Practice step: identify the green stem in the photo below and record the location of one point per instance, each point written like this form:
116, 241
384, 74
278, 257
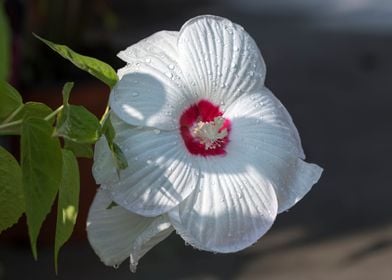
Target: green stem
18, 122
14, 113
105, 115
7, 125
54, 113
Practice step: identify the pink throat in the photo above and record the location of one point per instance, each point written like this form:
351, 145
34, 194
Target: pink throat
204, 131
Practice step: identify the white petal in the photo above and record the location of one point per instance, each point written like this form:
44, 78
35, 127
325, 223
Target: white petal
263, 130
104, 168
232, 209
150, 91
265, 121
219, 59
115, 233
298, 180
160, 172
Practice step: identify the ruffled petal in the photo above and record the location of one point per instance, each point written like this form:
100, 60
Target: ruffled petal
231, 210
160, 172
269, 123
116, 234
220, 61
297, 182
151, 90
263, 130
104, 168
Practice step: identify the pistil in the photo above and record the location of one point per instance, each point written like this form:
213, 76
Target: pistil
210, 134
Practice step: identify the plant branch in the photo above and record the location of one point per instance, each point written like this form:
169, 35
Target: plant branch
13, 114
54, 113
10, 124
105, 115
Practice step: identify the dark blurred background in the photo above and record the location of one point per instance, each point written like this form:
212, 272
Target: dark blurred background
329, 62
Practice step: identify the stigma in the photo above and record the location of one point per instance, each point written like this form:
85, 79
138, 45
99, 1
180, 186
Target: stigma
210, 134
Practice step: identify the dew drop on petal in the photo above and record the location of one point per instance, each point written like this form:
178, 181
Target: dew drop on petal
148, 60
116, 266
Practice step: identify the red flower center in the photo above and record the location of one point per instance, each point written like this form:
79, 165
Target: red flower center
204, 131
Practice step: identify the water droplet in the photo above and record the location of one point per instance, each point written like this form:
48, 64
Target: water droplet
149, 161
148, 60
169, 75
135, 93
251, 73
116, 266
171, 66
222, 103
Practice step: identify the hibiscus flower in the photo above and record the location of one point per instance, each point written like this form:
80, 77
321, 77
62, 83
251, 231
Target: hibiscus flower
212, 153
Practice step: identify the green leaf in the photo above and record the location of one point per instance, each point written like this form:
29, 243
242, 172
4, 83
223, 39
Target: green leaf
68, 202
10, 100
76, 123
4, 45
41, 161
117, 153
79, 149
119, 157
95, 67
66, 91
11, 194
